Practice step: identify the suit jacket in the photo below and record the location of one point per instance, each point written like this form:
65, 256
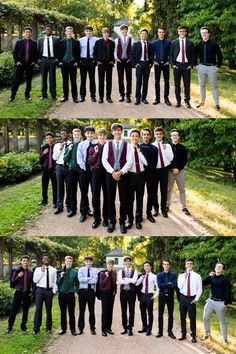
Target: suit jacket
99, 50
55, 47
175, 48
75, 50
136, 53
19, 51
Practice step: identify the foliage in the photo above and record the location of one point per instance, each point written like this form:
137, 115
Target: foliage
6, 294
6, 68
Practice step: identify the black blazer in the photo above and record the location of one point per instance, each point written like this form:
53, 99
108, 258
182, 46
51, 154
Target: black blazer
99, 52
75, 50
136, 53
19, 51
55, 47
175, 48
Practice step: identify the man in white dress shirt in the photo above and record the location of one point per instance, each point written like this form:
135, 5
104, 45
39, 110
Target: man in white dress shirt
136, 181
165, 156
148, 295
127, 278
190, 288
45, 278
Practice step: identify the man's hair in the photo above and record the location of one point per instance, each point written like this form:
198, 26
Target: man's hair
28, 28
102, 131
166, 260
189, 260
105, 30
134, 131
122, 27
88, 258
161, 28
221, 264
174, 130
182, 27
147, 262
50, 26
158, 129
70, 27
110, 261
147, 130
143, 30
90, 28
50, 134
89, 128
46, 255
69, 257
76, 130
127, 258
65, 130
116, 126
205, 28
25, 256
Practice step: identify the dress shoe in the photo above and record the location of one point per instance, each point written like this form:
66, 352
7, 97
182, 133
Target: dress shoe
80, 331
164, 213
167, 102
159, 335
48, 330
95, 224
151, 218
64, 99
217, 107
93, 332
130, 332
139, 226
142, 330
111, 228
24, 329
82, 218
75, 100
28, 98
58, 211
105, 223
182, 338
171, 335
156, 102
43, 202
167, 209
178, 104
73, 333
8, 330
145, 101
123, 229
82, 99
54, 98
205, 337
200, 104
109, 100
11, 99
110, 331
121, 99
129, 225
194, 340
156, 212
188, 105
104, 334
71, 213
185, 211
124, 331
54, 206
148, 333
100, 100
35, 332
62, 331
225, 342
137, 102
43, 98
128, 99
90, 213
93, 99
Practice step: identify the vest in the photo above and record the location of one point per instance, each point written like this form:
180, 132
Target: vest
126, 48
111, 157
132, 286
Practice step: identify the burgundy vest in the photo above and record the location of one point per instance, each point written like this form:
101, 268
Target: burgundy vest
119, 48
111, 157
132, 286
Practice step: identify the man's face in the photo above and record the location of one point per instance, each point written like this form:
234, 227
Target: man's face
102, 138
88, 33
205, 34
105, 35
159, 135
76, 136
134, 137
143, 36
48, 31
28, 34
127, 263
175, 137
117, 133
89, 135
46, 260
68, 263
189, 266
69, 33
88, 263
161, 34
124, 32
25, 263
166, 266
146, 136
64, 135
182, 33
49, 139
147, 268
219, 269
110, 267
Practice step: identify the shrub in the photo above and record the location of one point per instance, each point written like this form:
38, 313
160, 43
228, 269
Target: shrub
6, 295
6, 68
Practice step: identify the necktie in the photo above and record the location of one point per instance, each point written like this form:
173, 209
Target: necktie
127, 287
25, 288
117, 152
47, 282
88, 49
188, 286
50, 157
161, 51
137, 165
145, 51
107, 45
89, 285
161, 156
183, 52
111, 281
146, 284
87, 152
27, 51
49, 54
204, 54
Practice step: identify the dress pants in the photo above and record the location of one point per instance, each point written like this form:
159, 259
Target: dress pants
185, 307
47, 175
62, 179
19, 71
85, 178
208, 72
73, 179
18, 299
149, 181
219, 308
105, 70
185, 73
48, 67
86, 296
111, 189
107, 299
124, 67
69, 70
43, 296
127, 298
146, 306
67, 301
98, 184
180, 181
160, 177
161, 67
142, 77
136, 183
162, 301
87, 66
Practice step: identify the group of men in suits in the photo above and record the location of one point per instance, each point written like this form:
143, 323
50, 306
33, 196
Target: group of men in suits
106, 165
147, 286
88, 52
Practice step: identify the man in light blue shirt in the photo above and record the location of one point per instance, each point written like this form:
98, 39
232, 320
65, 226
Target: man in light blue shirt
87, 277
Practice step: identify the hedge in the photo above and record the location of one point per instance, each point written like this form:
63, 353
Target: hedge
6, 68
6, 295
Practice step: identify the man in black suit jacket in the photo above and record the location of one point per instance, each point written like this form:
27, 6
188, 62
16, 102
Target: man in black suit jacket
104, 56
142, 60
182, 61
69, 57
25, 55
48, 57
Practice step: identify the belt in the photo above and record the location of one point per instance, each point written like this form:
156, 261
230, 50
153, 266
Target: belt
135, 173
47, 57
207, 64
40, 287
187, 295
214, 299
86, 289
149, 294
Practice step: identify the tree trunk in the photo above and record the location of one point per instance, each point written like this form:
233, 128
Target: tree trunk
14, 135
39, 134
20, 28
9, 35
1, 265
232, 64
234, 171
6, 138
10, 257
34, 29
26, 148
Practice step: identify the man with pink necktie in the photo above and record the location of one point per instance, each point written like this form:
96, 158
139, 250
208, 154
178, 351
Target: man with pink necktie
182, 61
190, 288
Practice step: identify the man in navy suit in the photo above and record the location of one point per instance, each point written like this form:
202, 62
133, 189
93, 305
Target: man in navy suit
25, 55
161, 52
142, 60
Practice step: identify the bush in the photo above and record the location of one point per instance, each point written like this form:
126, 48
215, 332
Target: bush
15, 167
6, 68
6, 295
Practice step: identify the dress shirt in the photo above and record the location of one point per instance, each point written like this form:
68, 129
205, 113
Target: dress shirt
83, 46
70, 156
45, 47
212, 50
157, 50
220, 287
84, 280
167, 154
106, 164
180, 156
44, 158
142, 160
179, 57
95, 158
152, 283
82, 152
108, 283
167, 283
142, 56
72, 285
151, 155
125, 281
195, 284
58, 155
122, 39
40, 278
18, 282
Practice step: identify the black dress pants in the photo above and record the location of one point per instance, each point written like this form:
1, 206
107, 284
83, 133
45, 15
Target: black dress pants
185, 308
98, 184
107, 299
87, 66
43, 296
85, 178
127, 298
182, 72
149, 181
161, 67
124, 67
86, 296
67, 301
73, 180
18, 299
142, 77
62, 180
105, 71
136, 183
47, 175
162, 301
48, 67
146, 307
160, 177
69, 70
18, 74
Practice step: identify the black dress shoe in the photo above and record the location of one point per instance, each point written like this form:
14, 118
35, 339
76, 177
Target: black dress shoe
54, 98
90, 213
145, 101
124, 331
28, 98
148, 333
82, 218
48, 330
93, 99
11, 99
217, 107
64, 99
167, 209
35, 332
128, 99
62, 331
156, 212
129, 225
71, 213
142, 330
105, 223
82, 99
43, 202
104, 334
58, 211
123, 229
80, 331
139, 226
187, 105
167, 102
54, 206
182, 338
151, 218
75, 100
43, 98
194, 340
109, 100
111, 228
171, 335
24, 329
100, 100
95, 224
121, 99
130, 332
109, 331
93, 332
185, 211
8, 330
159, 335
156, 102
73, 333
137, 102
178, 104
164, 214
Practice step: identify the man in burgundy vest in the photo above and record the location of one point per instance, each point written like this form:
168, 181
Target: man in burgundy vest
117, 160
127, 278
123, 45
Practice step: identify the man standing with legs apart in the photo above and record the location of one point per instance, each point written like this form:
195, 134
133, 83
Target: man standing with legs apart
127, 278
219, 299
190, 287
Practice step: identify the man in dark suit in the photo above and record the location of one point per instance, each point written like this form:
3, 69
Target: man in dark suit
182, 61
142, 60
104, 56
48, 57
25, 55
69, 56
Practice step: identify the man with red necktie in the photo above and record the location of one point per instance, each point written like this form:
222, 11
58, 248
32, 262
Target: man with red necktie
190, 287
182, 61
